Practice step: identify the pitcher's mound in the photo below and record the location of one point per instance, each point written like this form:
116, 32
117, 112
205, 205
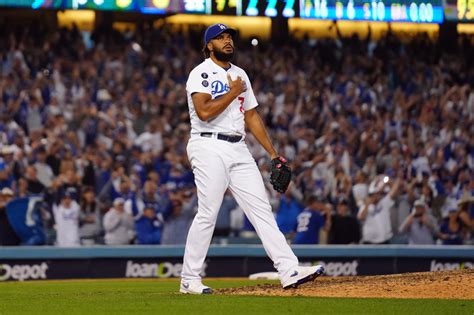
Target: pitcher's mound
442, 284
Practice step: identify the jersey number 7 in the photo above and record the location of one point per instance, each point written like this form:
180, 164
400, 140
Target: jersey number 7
241, 101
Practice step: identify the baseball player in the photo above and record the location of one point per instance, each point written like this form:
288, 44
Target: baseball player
221, 104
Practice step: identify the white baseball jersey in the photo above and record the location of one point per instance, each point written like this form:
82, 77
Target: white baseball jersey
377, 227
67, 224
211, 79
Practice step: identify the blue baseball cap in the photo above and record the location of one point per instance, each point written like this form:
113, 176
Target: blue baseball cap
215, 30
70, 193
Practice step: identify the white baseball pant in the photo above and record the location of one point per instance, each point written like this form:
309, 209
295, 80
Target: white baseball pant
218, 165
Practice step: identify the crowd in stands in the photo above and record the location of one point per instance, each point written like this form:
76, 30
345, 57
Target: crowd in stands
379, 134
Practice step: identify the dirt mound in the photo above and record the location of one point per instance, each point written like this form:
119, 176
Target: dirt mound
443, 284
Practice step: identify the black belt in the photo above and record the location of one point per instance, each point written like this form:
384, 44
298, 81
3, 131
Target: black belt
222, 136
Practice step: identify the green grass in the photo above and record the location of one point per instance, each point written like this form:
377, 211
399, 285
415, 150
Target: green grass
161, 297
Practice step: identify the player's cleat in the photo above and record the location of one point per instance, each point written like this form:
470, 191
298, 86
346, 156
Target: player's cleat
302, 275
194, 287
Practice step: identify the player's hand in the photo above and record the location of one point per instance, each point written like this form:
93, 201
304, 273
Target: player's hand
280, 174
237, 86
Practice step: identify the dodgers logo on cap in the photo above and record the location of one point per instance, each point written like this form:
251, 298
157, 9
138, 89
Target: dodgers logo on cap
215, 30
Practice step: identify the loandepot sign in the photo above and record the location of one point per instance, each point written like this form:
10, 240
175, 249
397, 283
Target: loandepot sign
155, 270
338, 268
442, 266
23, 272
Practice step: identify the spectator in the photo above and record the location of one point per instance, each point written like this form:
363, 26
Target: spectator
34, 186
148, 227
316, 216
360, 188
117, 185
177, 225
43, 170
8, 237
451, 229
375, 213
151, 140
90, 225
222, 227
345, 228
60, 184
22, 188
465, 214
247, 231
420, 226
66, 216
6, 178
451, 196
288, 211
151, 198
118, 225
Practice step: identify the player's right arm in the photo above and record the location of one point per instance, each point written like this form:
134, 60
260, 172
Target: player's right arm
208, 108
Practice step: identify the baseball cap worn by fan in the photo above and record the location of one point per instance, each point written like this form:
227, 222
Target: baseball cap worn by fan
342, 200
6, 192
70, 193
119, 201
420, 203
215, 30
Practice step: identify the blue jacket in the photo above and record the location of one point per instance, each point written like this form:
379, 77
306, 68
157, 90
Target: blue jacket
148, 230
287, 214
310, 223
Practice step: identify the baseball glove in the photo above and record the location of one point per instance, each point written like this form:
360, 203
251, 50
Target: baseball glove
280, 176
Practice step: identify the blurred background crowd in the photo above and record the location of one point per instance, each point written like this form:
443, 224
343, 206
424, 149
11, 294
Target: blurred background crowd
379, 134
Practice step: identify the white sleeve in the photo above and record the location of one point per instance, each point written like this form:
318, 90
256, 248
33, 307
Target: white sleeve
128, 207
250, 99
77, 210
111, 221
370, 209
198, 82
56, 211
387, 202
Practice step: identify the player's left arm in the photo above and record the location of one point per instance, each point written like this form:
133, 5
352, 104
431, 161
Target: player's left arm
254, 123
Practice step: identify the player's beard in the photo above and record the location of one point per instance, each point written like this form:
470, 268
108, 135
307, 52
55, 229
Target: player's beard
223, 56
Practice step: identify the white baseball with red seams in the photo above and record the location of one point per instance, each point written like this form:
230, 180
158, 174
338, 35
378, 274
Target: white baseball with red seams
218, 165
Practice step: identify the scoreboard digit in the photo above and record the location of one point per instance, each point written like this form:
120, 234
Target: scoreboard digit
225, 7
269, 8
289, 10
252, 9
271, 11
466, 10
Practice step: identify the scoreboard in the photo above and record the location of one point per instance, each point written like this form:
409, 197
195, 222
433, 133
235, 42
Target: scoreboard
32, 4
173, 6
465, 9
268, 8
143, 6
419, 11
374, 10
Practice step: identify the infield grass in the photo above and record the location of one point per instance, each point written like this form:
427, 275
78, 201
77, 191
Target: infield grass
161, 297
